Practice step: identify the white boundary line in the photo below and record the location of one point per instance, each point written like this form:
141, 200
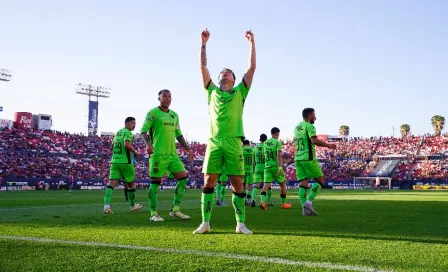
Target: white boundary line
200, 253
69, 206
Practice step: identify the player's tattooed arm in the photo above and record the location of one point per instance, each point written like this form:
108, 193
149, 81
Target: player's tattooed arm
149, 147
249, 75
203, 59
183, 143
321, 143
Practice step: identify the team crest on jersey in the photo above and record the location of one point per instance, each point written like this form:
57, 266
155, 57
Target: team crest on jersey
153, 117
172, 116
232, 92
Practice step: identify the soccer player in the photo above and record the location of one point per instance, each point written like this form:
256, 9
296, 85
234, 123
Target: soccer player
307, 165
273, 168
162, 125
226, 103
121, 165
220, 189
259, 167
248, 155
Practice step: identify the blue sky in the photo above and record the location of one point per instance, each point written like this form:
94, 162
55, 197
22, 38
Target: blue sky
372, 65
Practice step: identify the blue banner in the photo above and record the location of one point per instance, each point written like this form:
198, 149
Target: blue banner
93, 118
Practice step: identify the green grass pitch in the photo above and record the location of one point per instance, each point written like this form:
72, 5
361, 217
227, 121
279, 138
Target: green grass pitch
355, 231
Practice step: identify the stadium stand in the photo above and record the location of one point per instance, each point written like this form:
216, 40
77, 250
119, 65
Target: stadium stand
51, 154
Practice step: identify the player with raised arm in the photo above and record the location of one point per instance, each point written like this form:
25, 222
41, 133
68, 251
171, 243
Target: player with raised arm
225, 104
121, 165
160, 131
307, 165
248, 179
259, 167
273, 168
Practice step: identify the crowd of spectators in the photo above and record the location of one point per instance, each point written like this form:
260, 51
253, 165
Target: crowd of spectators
50, 154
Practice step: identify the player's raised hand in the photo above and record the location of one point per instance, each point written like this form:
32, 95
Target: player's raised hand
250, 36
205, 35
331, 146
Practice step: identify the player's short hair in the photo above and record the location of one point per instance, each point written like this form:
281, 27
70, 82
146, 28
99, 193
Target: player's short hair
129, 119
263, 137
164, 90
246, 142
275, 130
306, 112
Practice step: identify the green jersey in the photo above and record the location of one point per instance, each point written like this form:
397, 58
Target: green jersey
226, 110
163, 129
248, 154
259, 158
271, 147
119, 152
305, 149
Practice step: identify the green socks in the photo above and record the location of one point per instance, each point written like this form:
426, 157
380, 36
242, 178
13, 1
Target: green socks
179, 193
254, 192
269, 194
218, 191
152, 198
302, 194
108, 195
207, 201
263, 197
222, 193
283, 197
131, 196
314, 190
238, 205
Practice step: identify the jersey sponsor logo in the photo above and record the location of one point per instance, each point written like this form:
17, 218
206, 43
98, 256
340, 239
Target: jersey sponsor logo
168, 124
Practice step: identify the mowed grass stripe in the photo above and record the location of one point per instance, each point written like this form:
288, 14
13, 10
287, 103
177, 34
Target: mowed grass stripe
202, 253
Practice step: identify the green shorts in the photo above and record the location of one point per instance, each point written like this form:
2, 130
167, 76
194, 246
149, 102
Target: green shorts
224, 151
259, 177
223, 178
248, 178
161, 164
122, 171
308, 170
271, 174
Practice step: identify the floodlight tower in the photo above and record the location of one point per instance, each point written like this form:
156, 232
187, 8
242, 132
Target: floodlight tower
92, 91
5, 75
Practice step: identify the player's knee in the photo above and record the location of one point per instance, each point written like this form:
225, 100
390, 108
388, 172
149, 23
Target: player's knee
157, 181
207, 190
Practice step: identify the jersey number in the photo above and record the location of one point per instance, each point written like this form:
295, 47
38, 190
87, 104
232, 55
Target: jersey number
300, 145
260, 159
269, 155
118, 148
248, 160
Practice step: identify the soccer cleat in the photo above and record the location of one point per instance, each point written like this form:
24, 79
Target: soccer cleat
308, 206
253, 204
305, 212
218, 203
204, 227
270, 204
178, 214
108, 211
286, 206
263, 206
241, 228
156, 218
222, 204
136, 207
